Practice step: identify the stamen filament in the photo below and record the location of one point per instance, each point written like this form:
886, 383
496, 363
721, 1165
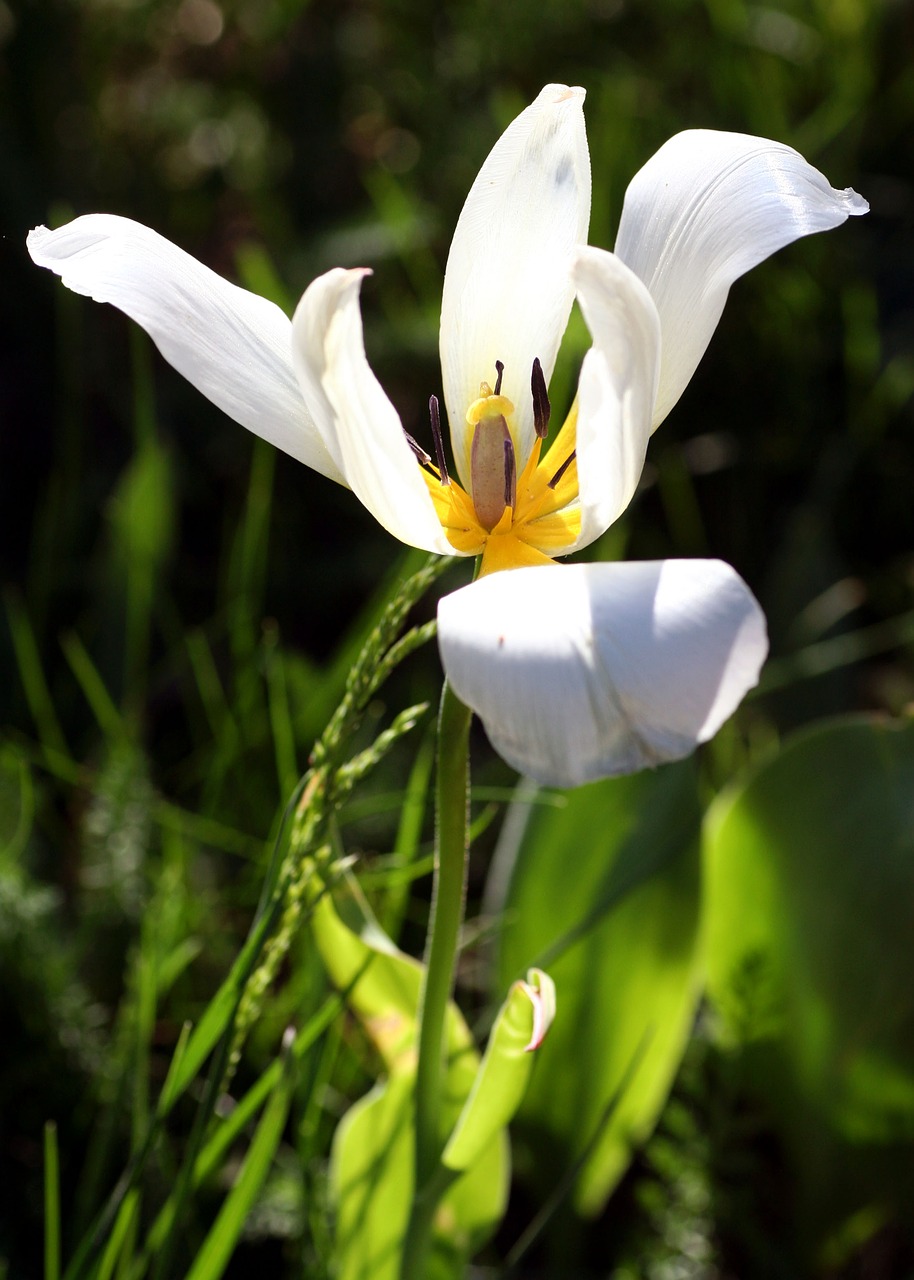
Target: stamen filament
562, 469
542, 409
423, 458
435, 416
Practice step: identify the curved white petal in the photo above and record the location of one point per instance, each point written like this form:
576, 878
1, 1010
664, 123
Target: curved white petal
617, 387
361, 428
507, 286
232, 345
704, 210
583, 671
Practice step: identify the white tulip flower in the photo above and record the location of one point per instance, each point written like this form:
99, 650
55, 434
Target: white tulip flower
577, 672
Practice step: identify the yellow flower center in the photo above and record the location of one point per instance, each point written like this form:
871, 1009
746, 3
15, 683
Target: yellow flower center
514, 514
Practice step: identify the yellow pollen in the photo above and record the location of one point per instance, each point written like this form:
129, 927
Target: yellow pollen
545, 519
489, 406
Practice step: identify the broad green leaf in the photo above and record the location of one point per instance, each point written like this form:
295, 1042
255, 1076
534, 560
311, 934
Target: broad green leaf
373, 1150
810, 889
606, 891
372, 1179
383, 986
372, 1184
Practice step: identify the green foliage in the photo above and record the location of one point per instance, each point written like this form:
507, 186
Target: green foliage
219, 1245
810, 875
813, 857
134, 867
372, 1167
605, 891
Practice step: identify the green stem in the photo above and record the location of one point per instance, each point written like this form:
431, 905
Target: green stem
422, 1215
451, 848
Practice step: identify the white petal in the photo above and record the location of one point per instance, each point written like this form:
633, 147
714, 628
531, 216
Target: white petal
617, 387
232, 345
583, 671
361, 428
703, 211
507, 286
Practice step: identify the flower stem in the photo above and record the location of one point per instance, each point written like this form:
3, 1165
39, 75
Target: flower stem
448, 895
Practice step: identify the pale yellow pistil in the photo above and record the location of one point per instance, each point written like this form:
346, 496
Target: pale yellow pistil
520, 511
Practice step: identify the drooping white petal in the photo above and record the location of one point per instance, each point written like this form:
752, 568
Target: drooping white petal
361, 428
703, 211
507, 286
232, 345
583, 671
617, 387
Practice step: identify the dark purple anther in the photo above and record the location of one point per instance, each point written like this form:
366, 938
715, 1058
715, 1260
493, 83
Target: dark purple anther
439, 442
510, 476
541, 406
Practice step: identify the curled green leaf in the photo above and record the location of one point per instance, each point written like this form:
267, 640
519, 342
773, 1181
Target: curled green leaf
501, 1081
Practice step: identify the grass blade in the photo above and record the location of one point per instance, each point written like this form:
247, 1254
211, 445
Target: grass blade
217, 1249
51, 1203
